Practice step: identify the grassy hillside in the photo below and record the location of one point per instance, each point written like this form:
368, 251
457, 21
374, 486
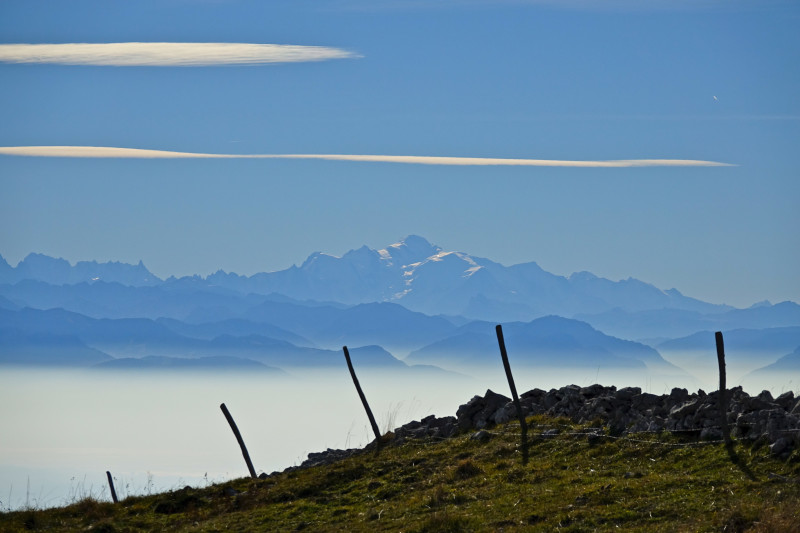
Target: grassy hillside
644, 482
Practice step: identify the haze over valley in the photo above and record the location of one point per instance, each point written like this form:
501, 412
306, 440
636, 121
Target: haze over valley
410, 306
112, 340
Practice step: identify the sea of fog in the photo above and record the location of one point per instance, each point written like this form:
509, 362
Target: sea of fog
157, 431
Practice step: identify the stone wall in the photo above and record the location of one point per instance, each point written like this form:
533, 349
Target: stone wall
621, 412
629, 410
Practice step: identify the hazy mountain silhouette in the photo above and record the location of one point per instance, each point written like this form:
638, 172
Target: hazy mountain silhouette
46, 349
129, 336
787, 363
390, 325
57, 336
235, 328
425, 278
548, 341
785, 368
177, 299
775, 340
409, 297
745, 349
359, 276
40, 267
673, 323
413, 272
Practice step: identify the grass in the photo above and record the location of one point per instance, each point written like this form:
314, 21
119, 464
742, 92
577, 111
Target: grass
651, 482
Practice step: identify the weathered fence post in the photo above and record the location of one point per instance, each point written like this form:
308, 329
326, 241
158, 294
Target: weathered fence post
723, 394
361, 395
239, 439
522, 423
111, 486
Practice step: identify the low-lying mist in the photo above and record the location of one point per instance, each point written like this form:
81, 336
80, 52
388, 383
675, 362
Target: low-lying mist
160, 430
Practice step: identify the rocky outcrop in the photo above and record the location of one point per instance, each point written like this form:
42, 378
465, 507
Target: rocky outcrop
428, 427
629, 410
774, 421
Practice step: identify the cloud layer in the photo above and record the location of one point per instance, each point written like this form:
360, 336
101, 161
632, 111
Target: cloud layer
135, 153
167, 54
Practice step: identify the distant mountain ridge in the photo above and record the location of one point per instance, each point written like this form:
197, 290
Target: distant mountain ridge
674, 323
546, 341
55, 271
745, 349
63, 338
423, 277
413, 272
57, 337
410, 303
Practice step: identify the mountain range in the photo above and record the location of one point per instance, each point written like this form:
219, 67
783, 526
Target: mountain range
57, 337
413, 272
411, 302
60, 271
546, 341
745, 349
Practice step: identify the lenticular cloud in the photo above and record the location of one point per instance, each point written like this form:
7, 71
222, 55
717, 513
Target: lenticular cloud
136, 153
167, 54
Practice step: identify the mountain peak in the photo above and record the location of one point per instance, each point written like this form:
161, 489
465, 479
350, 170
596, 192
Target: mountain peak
35, 257
364, 251
315, 258
413, 241
583, 275
411, 249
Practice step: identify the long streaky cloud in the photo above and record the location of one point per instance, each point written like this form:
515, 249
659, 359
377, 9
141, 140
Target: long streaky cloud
136, 153
167, 54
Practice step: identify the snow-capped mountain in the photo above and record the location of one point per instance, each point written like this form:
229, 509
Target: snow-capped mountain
389, 297
412, 272
424, 277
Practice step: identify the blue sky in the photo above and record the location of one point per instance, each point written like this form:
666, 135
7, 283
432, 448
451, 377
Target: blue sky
568, 80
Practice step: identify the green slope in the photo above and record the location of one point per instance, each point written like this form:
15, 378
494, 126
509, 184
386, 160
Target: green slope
644, 482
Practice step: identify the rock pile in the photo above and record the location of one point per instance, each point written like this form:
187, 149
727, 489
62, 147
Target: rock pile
629, 410
622, 411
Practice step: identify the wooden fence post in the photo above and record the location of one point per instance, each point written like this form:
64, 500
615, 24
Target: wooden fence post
361, 395
111, 486
522, 423
723, 394
239, 439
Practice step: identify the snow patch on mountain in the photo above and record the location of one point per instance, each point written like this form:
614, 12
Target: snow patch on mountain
413, 272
